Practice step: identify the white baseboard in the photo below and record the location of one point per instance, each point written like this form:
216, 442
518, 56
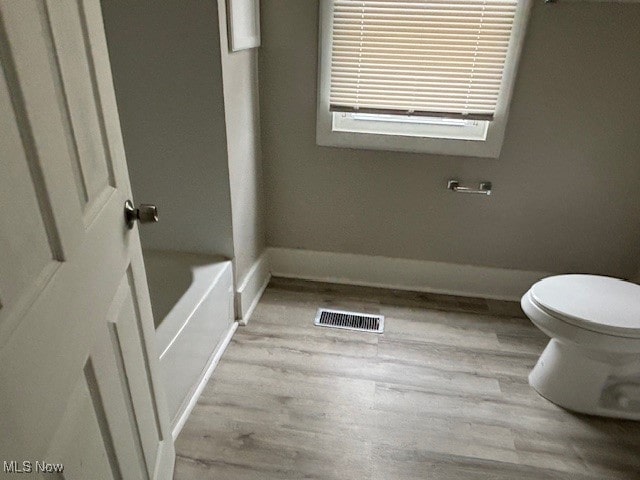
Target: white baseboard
251, 288
195, 394
402, 274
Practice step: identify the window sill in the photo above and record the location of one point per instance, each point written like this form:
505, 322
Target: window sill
489, 148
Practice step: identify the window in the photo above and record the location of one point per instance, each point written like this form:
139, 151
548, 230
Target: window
418, 75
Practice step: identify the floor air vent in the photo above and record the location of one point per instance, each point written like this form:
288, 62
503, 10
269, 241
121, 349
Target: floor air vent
349, 320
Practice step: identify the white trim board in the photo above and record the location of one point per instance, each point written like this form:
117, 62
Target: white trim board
251, 288
402, 274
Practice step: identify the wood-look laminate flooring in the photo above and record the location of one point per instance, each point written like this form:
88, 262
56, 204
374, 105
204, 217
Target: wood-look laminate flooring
442, 394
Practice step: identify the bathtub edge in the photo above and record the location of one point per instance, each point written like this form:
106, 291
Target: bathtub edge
192, 398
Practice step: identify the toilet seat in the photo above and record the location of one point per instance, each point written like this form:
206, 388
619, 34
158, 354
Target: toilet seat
597, 303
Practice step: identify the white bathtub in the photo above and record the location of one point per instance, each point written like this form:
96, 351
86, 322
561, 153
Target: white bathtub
192, 302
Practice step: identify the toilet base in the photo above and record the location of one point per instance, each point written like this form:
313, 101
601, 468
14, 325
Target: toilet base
587, 381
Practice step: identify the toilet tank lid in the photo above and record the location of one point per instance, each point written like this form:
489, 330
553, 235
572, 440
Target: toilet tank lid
604, 303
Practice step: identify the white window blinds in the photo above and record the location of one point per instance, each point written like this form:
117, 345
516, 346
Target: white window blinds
419, 57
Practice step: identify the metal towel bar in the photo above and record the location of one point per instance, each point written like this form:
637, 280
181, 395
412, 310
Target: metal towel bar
483, 189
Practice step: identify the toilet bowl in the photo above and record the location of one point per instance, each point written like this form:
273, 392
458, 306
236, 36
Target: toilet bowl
592, 362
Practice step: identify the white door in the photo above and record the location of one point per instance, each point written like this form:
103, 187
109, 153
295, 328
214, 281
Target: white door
79, 382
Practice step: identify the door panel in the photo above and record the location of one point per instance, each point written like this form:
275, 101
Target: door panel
78, 376
29, 260
125, 327
90, 162
82, 444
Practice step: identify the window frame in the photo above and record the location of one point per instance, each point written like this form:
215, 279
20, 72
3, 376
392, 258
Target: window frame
488, 148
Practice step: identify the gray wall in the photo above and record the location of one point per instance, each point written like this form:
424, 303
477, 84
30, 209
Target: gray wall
168, 80
566, 187
240, 79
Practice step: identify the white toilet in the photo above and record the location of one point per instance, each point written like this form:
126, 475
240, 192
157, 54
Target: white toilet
592, 363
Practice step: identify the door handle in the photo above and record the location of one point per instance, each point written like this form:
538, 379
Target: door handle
145, 213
